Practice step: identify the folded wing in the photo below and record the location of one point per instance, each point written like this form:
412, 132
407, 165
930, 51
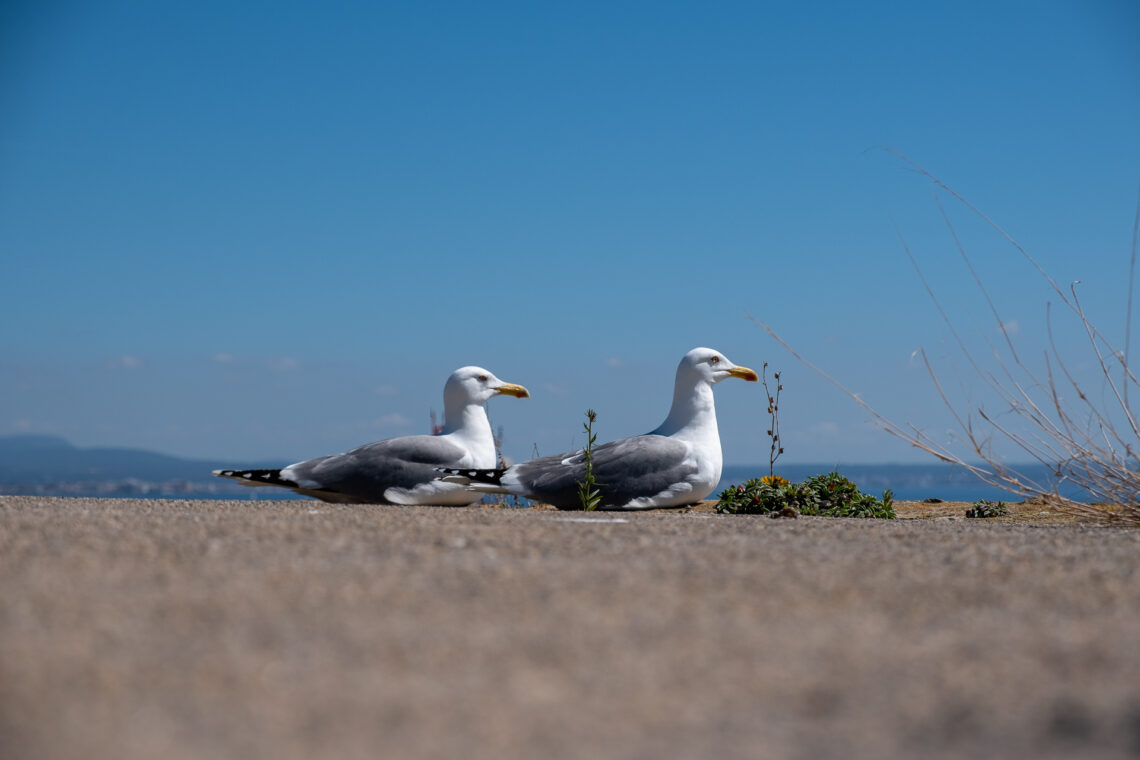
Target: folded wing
384, 472
624, 470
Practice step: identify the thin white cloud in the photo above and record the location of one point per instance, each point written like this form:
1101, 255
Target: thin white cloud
613, 361
284, 364
386, 390
223, 358
126, 361
824, 429
394, 420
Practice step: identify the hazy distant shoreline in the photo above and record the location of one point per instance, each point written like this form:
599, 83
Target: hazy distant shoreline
43, 465
905, 481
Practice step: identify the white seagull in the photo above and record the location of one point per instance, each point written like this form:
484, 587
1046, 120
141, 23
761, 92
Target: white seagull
403, 470
677, 464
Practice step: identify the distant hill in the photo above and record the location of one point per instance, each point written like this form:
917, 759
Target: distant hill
48, 464
45, 459
31, 442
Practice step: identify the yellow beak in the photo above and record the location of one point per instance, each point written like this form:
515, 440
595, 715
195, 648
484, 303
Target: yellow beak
745, 374
510, 389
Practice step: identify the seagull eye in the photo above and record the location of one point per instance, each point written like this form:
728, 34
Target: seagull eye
714, 360
482, 378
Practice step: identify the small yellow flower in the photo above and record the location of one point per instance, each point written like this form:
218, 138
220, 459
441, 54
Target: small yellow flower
773, 480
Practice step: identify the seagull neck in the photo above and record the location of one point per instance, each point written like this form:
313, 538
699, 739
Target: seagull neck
470, 426
693, 414
468, 420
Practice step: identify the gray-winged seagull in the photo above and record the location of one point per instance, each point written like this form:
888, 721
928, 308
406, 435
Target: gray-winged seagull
403, 470
679, 463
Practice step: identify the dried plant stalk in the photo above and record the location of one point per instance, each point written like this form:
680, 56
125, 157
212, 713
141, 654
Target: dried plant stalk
1092, 445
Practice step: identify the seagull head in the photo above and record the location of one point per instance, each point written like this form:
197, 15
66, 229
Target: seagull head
711, 366
475, 385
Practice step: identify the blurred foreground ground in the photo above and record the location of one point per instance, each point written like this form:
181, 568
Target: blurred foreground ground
192, 629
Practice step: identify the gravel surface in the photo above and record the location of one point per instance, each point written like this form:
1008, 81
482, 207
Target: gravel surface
244, 629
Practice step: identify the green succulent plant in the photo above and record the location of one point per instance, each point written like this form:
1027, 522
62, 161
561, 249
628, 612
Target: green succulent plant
830, 495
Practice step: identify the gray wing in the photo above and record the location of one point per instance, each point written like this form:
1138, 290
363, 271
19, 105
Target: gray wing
625, 469
364, 474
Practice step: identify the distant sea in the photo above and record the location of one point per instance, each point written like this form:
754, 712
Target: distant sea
51, 466
908, 482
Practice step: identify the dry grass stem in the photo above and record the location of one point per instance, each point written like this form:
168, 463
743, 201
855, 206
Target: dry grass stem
1085, 443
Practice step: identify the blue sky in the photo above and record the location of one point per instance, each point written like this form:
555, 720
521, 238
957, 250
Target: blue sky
267, 231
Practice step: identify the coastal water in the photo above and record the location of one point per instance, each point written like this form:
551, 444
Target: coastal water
908, 482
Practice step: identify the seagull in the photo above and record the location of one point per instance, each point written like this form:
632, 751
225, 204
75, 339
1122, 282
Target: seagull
677, 464
403, 470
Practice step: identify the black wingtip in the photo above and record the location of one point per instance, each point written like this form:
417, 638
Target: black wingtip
257, 477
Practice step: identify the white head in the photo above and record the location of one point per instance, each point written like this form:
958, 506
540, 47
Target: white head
710, 366
475, 385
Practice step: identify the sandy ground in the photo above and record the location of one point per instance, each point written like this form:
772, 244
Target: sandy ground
195, 629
